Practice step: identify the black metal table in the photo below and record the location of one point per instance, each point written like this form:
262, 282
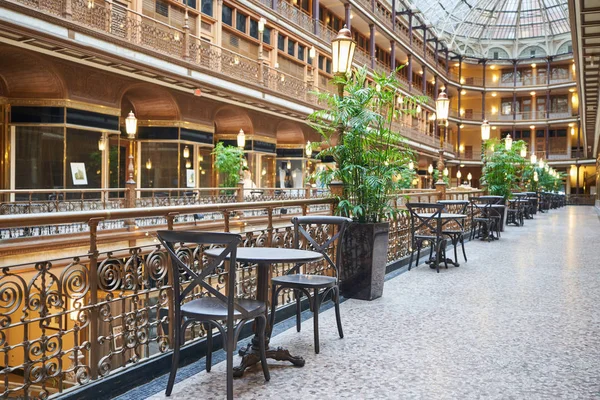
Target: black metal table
264, 257
446, 218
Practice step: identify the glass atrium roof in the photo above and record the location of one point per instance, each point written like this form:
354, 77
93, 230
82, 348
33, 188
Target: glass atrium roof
483, 20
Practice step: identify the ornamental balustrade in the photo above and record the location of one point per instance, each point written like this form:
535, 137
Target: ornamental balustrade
68, 321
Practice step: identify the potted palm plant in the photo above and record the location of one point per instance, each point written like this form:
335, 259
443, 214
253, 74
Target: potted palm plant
361, 135
228, 162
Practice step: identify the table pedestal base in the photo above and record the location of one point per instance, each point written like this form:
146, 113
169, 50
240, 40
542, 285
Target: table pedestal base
250, 356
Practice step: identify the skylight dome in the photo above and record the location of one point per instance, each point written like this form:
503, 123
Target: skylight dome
472, 27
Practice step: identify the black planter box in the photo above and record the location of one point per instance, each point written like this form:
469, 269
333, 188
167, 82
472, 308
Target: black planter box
364, 257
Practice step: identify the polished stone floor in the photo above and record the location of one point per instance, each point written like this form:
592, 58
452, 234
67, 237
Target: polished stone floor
519, 320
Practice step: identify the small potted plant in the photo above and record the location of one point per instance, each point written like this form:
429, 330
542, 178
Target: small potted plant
372, 160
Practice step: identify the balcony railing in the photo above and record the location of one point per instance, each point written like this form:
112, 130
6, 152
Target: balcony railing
71, 320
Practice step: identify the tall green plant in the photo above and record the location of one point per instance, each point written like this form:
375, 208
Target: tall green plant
228, 161
371, 155
503, 170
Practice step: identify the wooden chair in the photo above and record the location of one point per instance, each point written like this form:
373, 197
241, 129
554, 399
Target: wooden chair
304, 283
214, 309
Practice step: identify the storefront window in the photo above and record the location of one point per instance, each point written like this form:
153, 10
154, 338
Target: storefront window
204, 168
161, 158
39, 153
187, 170
84, 160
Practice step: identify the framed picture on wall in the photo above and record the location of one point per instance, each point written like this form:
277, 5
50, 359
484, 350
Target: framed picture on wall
117, 332
190, 178
78, 173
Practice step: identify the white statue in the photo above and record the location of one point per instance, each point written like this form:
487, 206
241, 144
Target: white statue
282, 178
297, 178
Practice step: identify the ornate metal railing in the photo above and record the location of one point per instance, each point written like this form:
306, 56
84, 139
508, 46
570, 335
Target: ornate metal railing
69, 321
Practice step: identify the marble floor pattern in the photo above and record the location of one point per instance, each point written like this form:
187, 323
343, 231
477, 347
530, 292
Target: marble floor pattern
519, 320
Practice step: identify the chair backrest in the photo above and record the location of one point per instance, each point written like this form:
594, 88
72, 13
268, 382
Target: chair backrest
458, 206
486, 204
426, 216
340, 224
230, 241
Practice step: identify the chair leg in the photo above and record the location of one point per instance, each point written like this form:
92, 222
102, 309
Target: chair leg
261, 323
412, 252
462, 244
437, 255
455, 244
209, 346
230, 348
418, 254
175, 362
273, 305
338, 317
316, 306
298, 295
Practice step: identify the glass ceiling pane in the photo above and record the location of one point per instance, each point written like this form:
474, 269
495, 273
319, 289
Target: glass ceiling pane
495, 19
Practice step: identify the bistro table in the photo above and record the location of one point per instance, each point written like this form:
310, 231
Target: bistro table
446, 218
264, 257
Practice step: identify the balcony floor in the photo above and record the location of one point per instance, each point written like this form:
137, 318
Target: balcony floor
519, 320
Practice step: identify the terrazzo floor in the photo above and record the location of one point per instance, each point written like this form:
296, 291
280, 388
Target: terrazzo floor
519, 320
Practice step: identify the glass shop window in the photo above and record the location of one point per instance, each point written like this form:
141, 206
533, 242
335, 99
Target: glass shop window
39, 156
163, 159
227, 15
84, 160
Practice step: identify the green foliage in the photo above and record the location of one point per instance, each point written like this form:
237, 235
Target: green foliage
504, 169
436, 175
228, 161
372, 157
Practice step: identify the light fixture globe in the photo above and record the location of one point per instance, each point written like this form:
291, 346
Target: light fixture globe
469, 177
508, 142
442, 105
411, 165
535, 176
533, 158
186, 152
131, 125
445, 171
523, 152
261, 24
458, 174
342, 51
308, 149
430, 168
541, 163
485, 130
241, 139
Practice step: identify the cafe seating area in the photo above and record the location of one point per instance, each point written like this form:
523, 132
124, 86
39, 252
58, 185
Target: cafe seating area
509, 320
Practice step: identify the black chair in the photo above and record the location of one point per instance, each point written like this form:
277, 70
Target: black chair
515, 212
426, 226
210, 310
485, 218
302, 283
455, 228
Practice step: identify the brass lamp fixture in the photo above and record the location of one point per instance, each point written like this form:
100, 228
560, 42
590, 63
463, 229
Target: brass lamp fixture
508, 142
131, 125
342, 51
241, 139
442, 106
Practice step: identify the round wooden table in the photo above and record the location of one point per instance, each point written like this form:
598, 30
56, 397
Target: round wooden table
264, 257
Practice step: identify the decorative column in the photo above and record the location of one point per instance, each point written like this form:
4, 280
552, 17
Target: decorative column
547, 141
372, 44
424, 83
393, 15
458, 140
410, 74
410, 32
393, 54
315, 15
483, 105
348, 14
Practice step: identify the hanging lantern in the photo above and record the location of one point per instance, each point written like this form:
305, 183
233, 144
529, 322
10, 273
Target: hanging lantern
419, 109
131, 125
241, 139
541, 163
469, 177
485, 130
342, 51
308, 149
508, 142
523, 152
458, 174
186, 152
200, 158
264, 171
188, 164
533, 158
535, 176
289, 164
442, 105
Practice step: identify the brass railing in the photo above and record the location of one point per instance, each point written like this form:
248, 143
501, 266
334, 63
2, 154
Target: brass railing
70, 320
